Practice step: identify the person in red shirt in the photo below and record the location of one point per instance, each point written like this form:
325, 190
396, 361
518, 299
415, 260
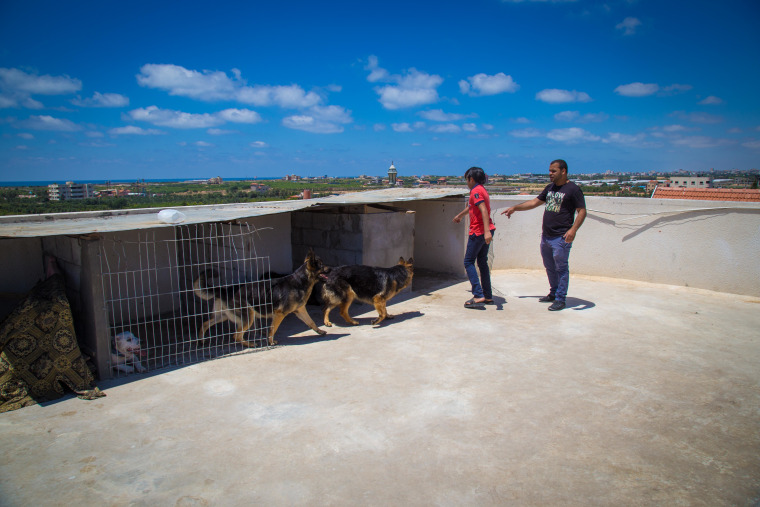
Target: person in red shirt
480, 236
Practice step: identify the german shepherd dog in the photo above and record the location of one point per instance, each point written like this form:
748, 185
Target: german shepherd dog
242, 303
365, 283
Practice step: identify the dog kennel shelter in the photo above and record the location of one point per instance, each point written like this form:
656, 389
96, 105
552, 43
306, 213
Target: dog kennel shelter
129, 272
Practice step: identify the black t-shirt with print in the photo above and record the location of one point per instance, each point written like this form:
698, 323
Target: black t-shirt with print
561, 203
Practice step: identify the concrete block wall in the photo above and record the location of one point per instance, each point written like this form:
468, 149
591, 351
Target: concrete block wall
353, 235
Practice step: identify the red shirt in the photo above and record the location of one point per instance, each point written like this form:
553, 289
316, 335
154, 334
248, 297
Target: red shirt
478, 194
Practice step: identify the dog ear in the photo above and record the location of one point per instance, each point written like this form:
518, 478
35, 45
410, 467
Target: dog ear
400, 260
410, 261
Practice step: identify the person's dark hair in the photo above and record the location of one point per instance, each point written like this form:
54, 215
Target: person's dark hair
562, 164
477, 174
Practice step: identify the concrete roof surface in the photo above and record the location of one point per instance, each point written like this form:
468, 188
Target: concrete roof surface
87, 222
635, 394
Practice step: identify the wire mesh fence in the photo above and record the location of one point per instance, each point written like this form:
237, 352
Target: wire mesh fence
152, 285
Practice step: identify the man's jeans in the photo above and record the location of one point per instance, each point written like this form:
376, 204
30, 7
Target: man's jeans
477, 251
555, 252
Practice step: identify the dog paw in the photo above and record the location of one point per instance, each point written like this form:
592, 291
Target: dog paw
328, 324
321, 332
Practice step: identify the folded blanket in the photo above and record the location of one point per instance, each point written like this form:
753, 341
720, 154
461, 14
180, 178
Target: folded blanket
39, 354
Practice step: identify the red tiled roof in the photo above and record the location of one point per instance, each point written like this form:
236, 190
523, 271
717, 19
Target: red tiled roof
708, 194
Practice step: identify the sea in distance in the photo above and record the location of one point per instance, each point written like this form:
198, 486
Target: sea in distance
116, 182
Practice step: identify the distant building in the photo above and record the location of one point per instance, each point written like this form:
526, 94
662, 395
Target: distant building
691, 182
214, 181
708, 194
392, 175
70, 190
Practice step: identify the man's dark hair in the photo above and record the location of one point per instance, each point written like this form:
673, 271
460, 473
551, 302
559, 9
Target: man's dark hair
562, 164
477, 174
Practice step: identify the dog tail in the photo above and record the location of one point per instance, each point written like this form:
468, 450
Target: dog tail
199, 287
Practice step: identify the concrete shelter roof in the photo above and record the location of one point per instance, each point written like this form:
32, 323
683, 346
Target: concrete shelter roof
53, 224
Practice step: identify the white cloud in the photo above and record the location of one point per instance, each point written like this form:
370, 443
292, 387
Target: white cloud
19, 81
376, 73
378, 127
675, 89
220, 132
240, 116
482, 84
712, 100
521, 119
571, 135
259, 144
702, 142
202, 144
753, 144
439, 115
618, 138
401, 127
102, 100
289, 97
181, 120
413, 89
17, 87
637, 89
704, 118
210, 86
575, 116
134, 131
320, 120
526, 133
555, 96
25, 135
447, 128
45, 122
469, 127
628, 25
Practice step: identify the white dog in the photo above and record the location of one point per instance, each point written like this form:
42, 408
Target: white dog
125, 353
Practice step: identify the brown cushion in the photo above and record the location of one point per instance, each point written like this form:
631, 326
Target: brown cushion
39, 354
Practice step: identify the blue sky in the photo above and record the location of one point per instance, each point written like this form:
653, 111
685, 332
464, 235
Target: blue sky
127, 90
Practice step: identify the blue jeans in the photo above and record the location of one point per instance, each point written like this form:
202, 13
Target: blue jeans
477, 251
555, 252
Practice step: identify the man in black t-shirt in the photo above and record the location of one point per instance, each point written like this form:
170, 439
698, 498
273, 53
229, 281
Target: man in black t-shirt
563, 198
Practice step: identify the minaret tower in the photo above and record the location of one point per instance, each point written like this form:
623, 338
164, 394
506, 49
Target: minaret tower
392, 175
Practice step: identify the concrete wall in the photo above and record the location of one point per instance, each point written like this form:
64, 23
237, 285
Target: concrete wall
386, 237
273, 240
438, 242
707, 244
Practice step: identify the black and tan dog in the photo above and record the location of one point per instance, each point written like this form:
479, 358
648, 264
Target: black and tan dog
365, 283
242, 303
